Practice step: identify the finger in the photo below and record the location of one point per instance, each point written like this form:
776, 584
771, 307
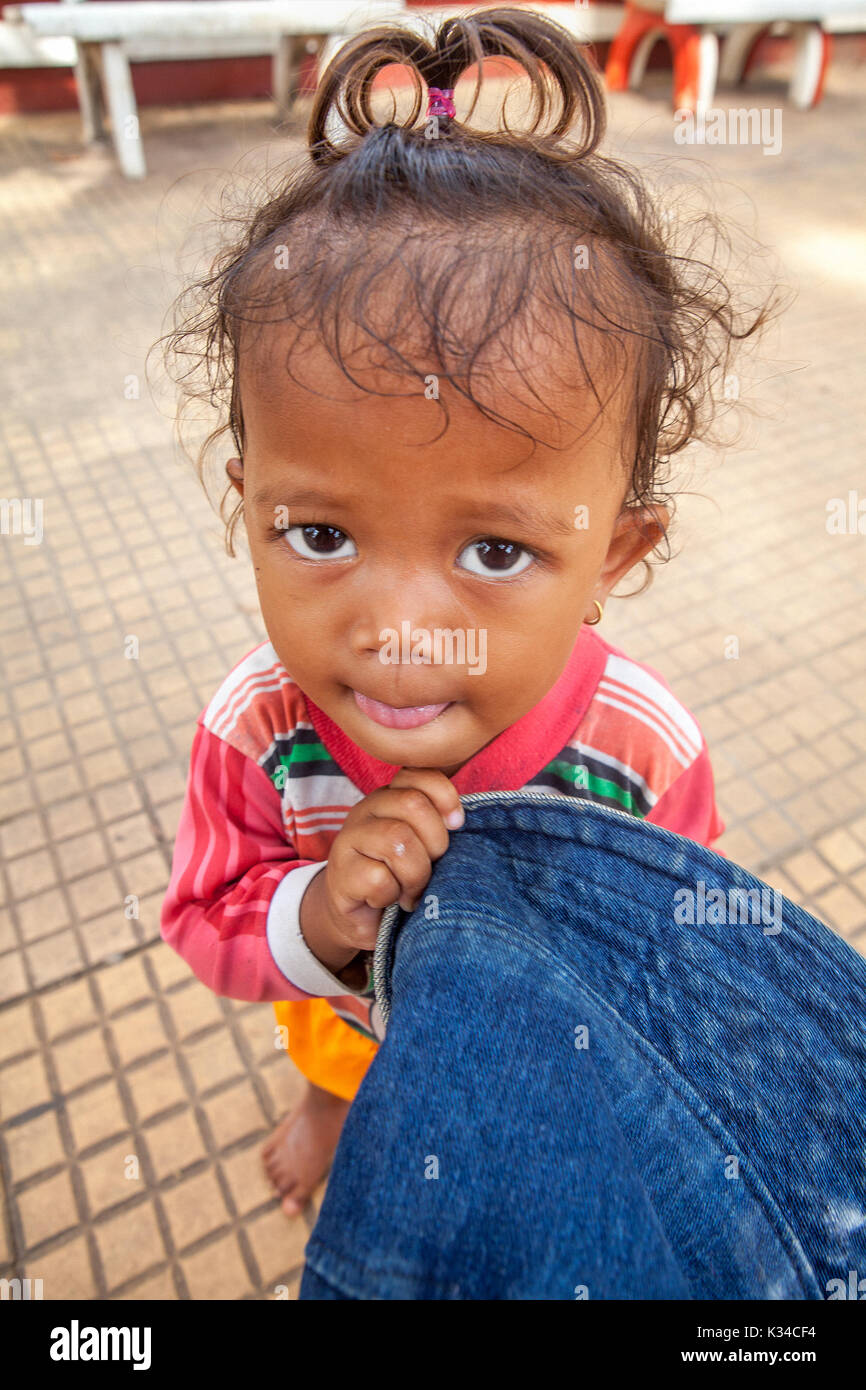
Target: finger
437, 787
414, 809
365, 882
396, 844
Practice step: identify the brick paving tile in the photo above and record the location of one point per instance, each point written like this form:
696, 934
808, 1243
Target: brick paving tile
23, 1084
247, 1181
96, 1114
110, 1179
67, 1009
81, 1059
235, 1114
193, 1009
66, 1273
278, 1244
195, 1208
174, 1144
218, 1271
159, 1288
123, 984
54, 958
156, 1086
138, 1033
17, 1031
169, 967
213, 1059
129, 1244
106, 937
47, 1208
808, 871
34, 1146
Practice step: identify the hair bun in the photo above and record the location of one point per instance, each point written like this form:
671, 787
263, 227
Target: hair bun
559, 73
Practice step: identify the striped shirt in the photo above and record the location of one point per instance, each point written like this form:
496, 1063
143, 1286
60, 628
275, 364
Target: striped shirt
272, 779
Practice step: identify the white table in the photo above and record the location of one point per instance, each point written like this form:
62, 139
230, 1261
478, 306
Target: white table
109, 32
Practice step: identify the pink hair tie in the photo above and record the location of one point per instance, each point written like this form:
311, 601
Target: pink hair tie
439, 102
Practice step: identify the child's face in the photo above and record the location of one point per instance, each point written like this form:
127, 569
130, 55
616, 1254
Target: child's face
485, 568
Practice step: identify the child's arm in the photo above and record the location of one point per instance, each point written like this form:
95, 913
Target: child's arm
231, 857
688, 807
238, 907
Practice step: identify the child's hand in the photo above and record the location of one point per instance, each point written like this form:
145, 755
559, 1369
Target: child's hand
383, 854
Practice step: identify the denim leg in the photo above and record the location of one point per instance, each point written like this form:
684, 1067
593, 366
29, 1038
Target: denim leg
313, 1286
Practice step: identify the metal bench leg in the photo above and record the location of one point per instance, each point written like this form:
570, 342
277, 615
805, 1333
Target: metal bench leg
695, 52
285, 79
87, 83
288, 59
737, 51
811, 58
120, 100
708, 67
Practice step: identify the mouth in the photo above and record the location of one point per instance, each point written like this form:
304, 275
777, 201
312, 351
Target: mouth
398, 717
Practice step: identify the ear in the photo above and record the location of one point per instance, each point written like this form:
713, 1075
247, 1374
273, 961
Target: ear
235, 474
637, 531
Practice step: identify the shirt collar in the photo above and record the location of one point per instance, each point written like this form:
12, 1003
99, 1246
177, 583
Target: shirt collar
511, 759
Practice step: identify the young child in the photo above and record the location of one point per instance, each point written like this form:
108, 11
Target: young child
454, 364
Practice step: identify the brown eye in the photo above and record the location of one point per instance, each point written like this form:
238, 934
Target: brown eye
495, 558
320, 542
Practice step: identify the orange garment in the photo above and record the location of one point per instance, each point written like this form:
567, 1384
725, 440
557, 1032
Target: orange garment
328, 1051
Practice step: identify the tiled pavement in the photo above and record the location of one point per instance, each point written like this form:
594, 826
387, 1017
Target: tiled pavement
133, 1103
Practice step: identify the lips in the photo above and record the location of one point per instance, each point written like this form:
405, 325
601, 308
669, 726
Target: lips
394, 717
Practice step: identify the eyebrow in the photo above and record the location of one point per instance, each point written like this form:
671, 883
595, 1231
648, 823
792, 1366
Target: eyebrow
524, 514
527, 514
301, 497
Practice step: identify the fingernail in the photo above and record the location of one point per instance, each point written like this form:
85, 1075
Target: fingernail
455, 819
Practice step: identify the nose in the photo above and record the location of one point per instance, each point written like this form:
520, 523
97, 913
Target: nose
405, 610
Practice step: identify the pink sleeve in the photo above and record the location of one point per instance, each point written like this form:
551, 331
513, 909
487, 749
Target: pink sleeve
230, 856
688, 807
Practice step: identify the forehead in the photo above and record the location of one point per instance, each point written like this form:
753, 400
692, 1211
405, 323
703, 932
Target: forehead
392, 405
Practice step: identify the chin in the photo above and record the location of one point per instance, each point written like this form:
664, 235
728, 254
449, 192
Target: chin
421, 747
412, 752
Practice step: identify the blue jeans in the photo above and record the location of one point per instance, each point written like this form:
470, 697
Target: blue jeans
616, 1066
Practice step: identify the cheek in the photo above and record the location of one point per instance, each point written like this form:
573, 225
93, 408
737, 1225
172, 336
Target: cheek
530, 658
284, 590
289, 609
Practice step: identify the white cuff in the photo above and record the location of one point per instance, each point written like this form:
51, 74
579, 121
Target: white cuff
286, 940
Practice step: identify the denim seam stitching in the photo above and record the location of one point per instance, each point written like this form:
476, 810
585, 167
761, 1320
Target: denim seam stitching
589, 808
795, 932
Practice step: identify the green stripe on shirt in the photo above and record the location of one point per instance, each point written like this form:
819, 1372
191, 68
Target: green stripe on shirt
577, 775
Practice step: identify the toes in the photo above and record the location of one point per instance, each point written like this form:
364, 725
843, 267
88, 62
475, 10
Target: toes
276, 1138
281, 1180
279, 1172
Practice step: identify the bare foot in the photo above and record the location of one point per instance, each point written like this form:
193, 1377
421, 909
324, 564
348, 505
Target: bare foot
298, 1154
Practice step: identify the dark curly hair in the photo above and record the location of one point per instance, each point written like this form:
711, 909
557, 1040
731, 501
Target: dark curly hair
479, 231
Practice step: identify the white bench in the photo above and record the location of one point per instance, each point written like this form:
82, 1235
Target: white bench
111, 33
589, 22
694, 38
102, 37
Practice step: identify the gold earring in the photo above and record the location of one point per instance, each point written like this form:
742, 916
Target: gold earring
593, 622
